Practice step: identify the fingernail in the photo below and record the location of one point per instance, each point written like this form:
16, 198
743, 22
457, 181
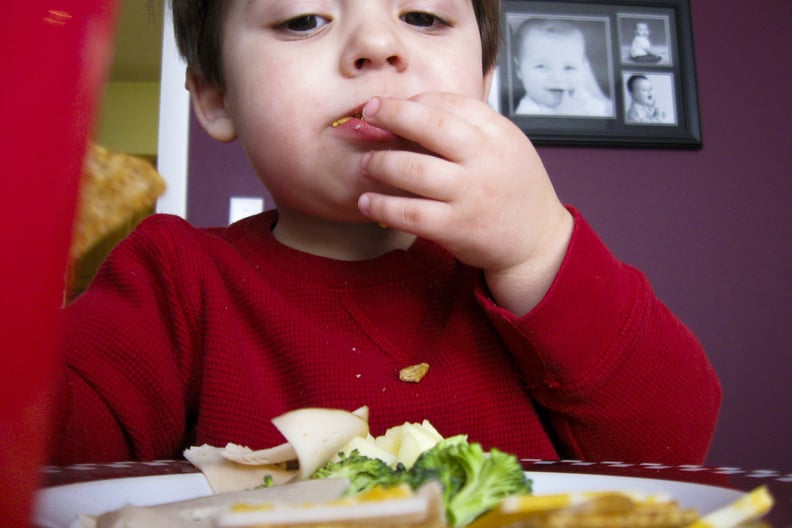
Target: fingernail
371, 107
364, 204
364, 161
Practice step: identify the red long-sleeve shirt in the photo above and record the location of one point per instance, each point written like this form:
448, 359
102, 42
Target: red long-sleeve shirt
192, 335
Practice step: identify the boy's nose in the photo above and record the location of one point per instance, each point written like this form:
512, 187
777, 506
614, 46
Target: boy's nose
373, 47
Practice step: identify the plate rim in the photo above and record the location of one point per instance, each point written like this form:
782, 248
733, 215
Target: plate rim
46, 497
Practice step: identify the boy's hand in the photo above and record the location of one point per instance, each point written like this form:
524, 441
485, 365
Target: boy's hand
481, 192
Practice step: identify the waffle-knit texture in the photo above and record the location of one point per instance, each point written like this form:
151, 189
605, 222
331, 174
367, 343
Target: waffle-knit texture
191, 336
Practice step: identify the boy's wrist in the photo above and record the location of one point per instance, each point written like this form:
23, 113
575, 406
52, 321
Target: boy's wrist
520, 288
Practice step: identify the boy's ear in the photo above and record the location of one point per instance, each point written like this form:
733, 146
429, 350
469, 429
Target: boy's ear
208, 102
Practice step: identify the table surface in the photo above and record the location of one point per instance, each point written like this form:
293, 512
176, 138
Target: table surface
779, 483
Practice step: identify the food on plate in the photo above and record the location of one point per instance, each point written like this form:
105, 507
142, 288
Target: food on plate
330, 443
313, 436
619, 509
244, 455
224, 475
397, 506
318, 434
473, 481
603, 509
752, 506
203, 512
414, 373
332, 472
401, 444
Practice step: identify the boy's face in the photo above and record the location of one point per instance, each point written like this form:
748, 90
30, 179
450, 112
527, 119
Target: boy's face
550, 65
642, 92
294, 67
642, 30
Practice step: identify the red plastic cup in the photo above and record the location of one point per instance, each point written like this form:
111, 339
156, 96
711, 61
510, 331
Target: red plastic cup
54, 55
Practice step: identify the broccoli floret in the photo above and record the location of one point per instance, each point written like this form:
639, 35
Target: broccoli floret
363, 472
473, 481
433, 464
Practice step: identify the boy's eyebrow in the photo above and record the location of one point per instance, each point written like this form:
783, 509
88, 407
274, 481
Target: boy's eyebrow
249, 5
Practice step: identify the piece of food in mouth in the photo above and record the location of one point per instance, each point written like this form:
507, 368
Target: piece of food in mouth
341, 121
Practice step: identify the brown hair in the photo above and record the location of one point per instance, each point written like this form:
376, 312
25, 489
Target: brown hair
198, 28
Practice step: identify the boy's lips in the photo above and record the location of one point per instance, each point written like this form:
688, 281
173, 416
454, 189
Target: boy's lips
355, 113
355, 126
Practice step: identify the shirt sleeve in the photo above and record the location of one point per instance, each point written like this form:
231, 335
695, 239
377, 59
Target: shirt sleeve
123, 389
617, 374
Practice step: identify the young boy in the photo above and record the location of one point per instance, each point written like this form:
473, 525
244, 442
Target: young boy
414, 224
552, 66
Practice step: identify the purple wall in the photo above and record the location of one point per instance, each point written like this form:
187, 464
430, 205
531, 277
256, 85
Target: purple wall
711, 228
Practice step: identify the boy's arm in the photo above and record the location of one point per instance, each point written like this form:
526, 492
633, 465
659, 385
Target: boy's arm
619, 375
121, 393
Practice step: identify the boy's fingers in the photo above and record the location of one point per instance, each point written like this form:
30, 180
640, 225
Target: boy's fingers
424, 218
434, 127
419, 174
463, 107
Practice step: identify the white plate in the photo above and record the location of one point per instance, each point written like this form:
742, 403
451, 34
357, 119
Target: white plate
58, 507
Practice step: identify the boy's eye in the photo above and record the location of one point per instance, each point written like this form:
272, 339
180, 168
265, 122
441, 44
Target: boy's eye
422, 19
303, 23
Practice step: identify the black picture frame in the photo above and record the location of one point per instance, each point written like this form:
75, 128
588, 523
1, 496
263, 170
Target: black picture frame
587, 100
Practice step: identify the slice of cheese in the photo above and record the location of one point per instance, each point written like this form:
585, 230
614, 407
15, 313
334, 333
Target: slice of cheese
318, 434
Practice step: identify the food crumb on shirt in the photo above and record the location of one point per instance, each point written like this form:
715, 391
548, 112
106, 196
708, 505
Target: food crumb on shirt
414, 373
